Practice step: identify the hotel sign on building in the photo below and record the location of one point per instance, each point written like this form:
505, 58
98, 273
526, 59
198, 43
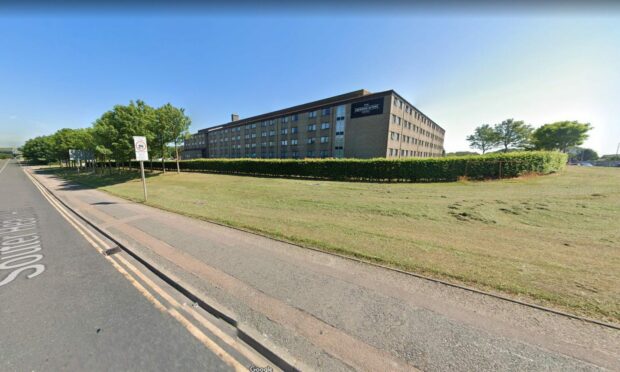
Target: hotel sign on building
367, 108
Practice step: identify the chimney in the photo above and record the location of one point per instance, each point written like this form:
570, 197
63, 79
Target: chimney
234, 117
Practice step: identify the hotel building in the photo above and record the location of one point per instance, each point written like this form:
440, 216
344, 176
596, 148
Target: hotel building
358, 124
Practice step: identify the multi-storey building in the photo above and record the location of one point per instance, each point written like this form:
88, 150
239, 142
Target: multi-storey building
359, 124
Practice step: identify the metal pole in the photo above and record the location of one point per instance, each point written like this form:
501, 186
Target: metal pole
143, 179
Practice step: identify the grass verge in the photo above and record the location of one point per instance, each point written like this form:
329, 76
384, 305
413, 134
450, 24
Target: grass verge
553, 240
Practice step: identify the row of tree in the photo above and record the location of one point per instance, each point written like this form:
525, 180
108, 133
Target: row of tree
111, 136
511, 134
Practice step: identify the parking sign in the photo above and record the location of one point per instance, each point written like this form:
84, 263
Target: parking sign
139, 143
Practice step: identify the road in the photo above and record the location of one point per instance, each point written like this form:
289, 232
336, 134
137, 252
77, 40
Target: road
323, 312
64, 306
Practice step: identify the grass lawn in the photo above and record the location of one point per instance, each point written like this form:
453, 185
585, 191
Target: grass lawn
554, 240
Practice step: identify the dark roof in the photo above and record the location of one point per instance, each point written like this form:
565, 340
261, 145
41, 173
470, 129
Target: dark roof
339, 99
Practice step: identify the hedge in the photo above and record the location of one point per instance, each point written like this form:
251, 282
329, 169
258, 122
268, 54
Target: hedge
445, 169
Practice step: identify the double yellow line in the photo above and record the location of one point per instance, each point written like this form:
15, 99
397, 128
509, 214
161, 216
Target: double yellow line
173, 308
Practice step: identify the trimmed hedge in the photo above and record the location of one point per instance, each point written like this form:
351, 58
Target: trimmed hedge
444, 169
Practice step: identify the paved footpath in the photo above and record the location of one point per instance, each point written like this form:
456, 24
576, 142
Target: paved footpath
333, 314
63, 306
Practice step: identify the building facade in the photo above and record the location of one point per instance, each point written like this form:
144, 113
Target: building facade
358, 124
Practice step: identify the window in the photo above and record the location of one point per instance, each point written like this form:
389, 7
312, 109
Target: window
311, 127
326, 111
393, 118
325, 126
272, 133
294, 117
310, 153
312, 114
398, 121
253, 125
295, 154
293, 142
263, 144
324, 139
253, 135
263, 134
293, 130
247, 136
324, 153
284, 131
284, 142
311, 140
284, 119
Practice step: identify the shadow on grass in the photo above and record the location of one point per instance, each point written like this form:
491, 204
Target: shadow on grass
72, 180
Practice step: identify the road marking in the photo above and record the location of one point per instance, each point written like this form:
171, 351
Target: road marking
206, 323
19, 241
101, 246
6, 162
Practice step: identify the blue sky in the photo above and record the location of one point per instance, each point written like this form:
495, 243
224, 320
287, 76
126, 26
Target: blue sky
64, 69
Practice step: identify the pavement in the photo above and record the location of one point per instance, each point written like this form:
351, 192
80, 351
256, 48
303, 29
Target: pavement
64, 306
324, 312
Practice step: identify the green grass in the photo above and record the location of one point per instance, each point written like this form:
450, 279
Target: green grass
554, 240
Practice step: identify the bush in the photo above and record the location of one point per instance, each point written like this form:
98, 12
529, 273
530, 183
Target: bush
404, 170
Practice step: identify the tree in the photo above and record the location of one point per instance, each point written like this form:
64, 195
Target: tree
162, 131
582, 154
561, 135
114, 130
513, 134
174, 127
39, 150
484, 138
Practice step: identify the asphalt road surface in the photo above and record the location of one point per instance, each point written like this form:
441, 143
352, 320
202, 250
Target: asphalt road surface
64, 307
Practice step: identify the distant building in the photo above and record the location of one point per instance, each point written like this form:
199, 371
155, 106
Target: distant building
9, 151
359, 124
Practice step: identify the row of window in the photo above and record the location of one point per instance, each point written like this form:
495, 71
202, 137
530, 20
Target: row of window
408, 125
267, 155
407, 139
418, 115
292, 142
271, 133
410, 153
284, 119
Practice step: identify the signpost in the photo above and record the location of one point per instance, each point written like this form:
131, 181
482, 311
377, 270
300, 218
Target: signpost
139, 143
